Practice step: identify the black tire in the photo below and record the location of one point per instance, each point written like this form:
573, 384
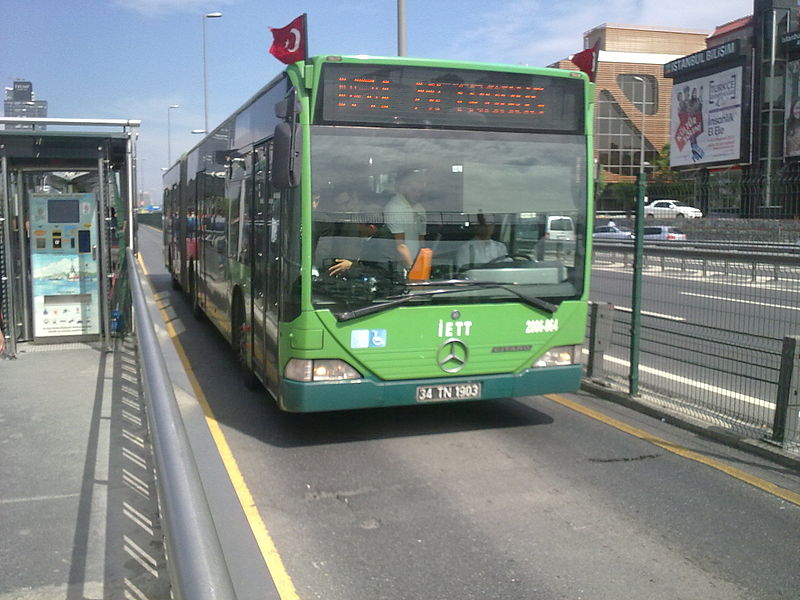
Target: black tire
197, 310
176, 285
239, 335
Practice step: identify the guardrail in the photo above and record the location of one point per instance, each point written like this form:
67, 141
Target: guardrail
707, 254
754, 250
720, 341
195, 561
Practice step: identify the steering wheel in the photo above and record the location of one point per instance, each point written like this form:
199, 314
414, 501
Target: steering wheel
516, 257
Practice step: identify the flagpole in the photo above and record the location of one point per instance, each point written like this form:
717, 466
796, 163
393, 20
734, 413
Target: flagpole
305, 36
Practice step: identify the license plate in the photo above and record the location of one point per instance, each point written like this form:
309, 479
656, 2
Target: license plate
449, 391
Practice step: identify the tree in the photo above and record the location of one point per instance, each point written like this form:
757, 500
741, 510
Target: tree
600, 185
662, 172
625, 195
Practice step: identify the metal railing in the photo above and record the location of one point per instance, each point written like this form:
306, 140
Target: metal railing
195, 560
718, 334
748, 193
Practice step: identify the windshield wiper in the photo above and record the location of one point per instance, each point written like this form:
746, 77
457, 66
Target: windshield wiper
461, 284
349, 315
526, 298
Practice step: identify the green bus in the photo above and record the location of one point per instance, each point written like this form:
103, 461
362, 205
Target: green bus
372, 232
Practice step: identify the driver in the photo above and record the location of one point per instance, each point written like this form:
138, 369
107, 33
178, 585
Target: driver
374, 253
481, 249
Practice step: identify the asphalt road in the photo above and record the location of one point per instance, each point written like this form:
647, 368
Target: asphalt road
765, 307
700, 330
513, 499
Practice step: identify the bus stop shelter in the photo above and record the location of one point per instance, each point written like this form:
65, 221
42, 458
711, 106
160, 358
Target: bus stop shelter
67, 198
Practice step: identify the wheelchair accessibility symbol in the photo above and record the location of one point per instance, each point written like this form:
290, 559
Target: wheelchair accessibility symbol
368, 338
377, 338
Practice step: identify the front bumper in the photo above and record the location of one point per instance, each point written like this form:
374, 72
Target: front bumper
299, 396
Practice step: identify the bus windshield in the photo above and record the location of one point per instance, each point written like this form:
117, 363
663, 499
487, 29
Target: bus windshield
399, 212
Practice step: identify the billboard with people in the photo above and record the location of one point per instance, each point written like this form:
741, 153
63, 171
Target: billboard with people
791, 140
706, 119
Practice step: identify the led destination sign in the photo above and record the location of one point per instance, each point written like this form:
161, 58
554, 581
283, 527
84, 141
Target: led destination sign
436, 97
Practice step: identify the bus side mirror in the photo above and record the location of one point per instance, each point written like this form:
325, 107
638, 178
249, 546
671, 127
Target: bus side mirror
286, 156
288, 108
286, 144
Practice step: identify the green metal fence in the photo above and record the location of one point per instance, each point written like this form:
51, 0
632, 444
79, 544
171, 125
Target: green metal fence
715, 334
732, 193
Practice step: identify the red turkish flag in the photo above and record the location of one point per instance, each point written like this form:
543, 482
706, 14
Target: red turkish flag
586, 61
289, 43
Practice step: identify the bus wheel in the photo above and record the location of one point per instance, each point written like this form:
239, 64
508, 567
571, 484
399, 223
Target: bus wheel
176, 285
240, 332
197, 311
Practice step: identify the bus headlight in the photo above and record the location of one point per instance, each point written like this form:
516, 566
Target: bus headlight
301, 369
559, 356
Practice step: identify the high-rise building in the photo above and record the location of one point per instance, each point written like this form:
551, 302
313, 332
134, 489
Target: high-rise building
20, 102
632, 95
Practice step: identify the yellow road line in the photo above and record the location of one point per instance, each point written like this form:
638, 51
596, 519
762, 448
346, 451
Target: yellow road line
283, 583
758, 482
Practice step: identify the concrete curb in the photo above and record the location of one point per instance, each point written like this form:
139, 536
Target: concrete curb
757, 447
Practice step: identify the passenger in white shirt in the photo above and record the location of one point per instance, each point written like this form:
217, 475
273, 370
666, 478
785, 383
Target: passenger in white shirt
481, 249
405, 216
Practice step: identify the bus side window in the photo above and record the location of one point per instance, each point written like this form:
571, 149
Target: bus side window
273, 258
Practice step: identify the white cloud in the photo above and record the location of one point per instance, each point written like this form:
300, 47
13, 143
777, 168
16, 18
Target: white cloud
152, 143
539, 32
151, 8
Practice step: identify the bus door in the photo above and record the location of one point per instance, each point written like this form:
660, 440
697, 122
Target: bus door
195, 230
266, 215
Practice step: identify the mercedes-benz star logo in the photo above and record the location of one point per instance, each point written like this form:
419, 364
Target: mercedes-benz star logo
452, 355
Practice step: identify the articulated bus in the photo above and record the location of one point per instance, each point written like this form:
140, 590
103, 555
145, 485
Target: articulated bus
374, 232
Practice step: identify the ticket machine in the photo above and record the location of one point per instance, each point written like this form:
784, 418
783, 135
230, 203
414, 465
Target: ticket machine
64, 266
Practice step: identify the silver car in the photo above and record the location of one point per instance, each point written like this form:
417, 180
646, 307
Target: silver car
663, 232
611, 232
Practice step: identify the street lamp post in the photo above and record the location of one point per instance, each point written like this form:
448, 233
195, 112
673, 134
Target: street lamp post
213, 15
169, 133
401, 27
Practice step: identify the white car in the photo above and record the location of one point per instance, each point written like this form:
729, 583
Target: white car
671, 209
560, 228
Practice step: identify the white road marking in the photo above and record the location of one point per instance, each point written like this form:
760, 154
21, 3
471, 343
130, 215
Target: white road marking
651, 314
37, 498
783, 306
788, 285
696, 384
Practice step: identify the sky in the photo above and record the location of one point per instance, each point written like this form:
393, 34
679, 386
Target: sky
132, 59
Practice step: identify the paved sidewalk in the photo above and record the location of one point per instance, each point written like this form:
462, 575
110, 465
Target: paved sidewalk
78, 514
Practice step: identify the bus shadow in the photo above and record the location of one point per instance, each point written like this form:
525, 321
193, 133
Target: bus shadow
293, 430
254, 413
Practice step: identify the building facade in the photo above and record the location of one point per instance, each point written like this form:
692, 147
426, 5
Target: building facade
740, 147
21, 102
633, 108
